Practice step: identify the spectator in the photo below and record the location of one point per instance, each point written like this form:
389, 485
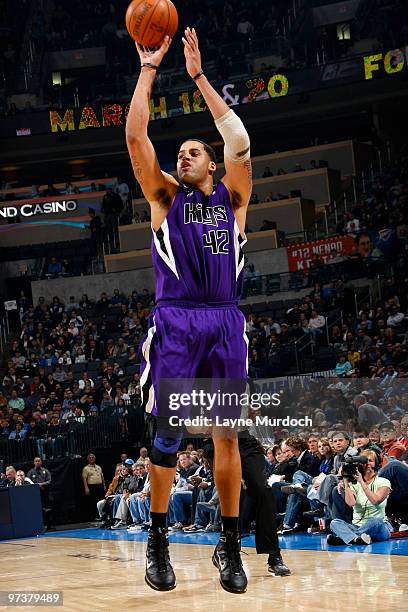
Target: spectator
22, 479
316, 325
143, 455
15, 402
104, 505
368, 498
9, 478
18, 434
343, 367
122, 189
182, 494
95, 227
94, 483
368, 414
111, 207
54, 268
391, 447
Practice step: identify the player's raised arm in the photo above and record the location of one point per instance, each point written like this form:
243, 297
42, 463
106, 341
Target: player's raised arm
158, 187
238, 177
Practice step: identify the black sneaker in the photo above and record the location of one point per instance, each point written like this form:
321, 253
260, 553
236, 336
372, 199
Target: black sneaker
277, 567
364, 539
333, 540
312, 514
159, 572
227, 559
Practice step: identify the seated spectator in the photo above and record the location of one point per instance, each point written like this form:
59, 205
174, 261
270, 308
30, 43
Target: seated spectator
315, 326
134, 485
343, 449
54, 267
143, 455
103, 506
9, 478
307, 468
18, 434
368, 499
362, 442
391, 447
139, 503
267, 172
404, 431
368, 414
181, 497
15, 402
343, 367
202, 494
22, 479
395, 318
326, 456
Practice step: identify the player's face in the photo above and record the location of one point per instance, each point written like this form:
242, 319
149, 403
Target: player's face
193, 163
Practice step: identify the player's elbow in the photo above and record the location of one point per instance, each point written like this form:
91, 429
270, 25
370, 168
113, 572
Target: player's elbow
132, 138
136, 135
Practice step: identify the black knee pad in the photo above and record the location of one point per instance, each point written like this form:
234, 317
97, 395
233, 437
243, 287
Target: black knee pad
161, 459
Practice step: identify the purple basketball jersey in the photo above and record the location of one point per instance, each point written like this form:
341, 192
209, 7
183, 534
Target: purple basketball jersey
197, 252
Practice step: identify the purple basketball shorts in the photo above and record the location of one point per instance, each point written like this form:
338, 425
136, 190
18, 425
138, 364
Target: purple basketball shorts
191, 342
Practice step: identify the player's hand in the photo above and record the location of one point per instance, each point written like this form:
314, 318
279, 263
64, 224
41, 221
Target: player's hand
192, 52
154, 56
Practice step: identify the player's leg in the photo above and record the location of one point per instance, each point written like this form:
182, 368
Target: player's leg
227, 360
165, 362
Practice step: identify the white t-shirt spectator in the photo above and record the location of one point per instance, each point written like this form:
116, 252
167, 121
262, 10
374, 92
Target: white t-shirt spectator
353, 226
81, 382
317, 322
122, 189
395, 319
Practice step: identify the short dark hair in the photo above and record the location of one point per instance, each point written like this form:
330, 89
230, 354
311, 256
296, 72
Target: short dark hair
360, 431
207, 148
387, 425
357, 239
343, 434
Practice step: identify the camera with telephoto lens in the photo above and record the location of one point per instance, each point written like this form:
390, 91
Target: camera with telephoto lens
351, 465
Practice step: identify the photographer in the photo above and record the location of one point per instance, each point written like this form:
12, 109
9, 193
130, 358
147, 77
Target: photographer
367, 495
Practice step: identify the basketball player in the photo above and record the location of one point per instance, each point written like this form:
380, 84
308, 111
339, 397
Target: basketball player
196, 329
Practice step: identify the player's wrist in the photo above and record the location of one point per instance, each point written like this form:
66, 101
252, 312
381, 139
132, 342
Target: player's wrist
198, 75
150, 66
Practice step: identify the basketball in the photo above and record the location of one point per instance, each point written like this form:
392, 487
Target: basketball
149, 21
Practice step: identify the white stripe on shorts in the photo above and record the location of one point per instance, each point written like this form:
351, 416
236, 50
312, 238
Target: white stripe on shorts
146, 355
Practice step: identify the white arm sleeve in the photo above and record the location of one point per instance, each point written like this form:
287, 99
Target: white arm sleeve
236, 139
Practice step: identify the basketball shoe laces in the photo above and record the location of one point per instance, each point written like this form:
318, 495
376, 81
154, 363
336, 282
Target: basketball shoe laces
159, 547
232, 549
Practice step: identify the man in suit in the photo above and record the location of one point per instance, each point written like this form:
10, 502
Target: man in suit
307, 468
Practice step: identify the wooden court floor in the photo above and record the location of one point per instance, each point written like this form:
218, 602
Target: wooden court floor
108, 575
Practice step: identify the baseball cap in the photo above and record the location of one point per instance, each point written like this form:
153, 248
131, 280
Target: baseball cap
129, 462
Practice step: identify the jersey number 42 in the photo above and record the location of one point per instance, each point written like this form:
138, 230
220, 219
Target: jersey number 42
217, 241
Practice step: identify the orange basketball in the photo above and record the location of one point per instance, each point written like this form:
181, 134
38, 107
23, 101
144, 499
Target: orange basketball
149, 21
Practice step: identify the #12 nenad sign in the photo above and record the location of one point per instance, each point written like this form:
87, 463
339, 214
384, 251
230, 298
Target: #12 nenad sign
301, 254
43, 208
